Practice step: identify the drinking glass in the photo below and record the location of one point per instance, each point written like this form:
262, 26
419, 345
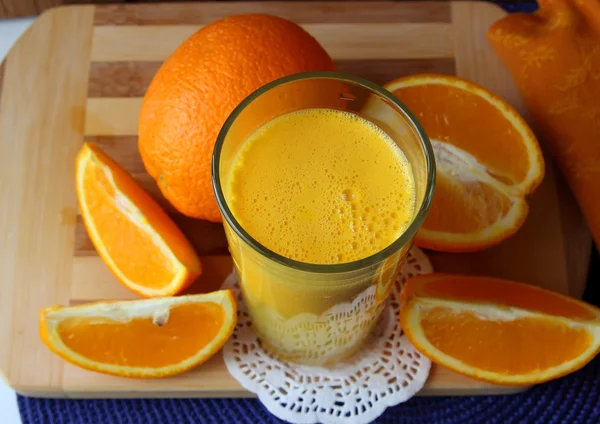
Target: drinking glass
318, 313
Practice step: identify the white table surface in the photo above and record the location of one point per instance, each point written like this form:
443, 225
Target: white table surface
10, 31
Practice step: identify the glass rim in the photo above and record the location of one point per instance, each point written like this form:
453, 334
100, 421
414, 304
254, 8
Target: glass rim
368, 261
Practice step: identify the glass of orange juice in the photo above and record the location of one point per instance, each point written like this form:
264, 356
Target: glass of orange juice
322, 180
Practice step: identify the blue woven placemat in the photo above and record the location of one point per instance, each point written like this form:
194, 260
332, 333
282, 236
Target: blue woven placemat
574, 399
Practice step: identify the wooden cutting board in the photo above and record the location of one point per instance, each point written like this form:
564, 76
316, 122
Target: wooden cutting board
79, 73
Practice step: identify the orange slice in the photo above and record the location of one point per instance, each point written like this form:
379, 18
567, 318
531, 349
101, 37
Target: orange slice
497, 330
141, 338
136, 239
488, 162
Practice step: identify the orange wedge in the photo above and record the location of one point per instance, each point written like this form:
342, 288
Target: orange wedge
136, 239
497, 330
488, 162
141, 338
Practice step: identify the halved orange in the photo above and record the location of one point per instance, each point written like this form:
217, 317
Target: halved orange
497, 330
141, 338
488, 162
137, 240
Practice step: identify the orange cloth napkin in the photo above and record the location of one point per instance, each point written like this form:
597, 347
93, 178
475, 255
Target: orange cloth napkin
554, 57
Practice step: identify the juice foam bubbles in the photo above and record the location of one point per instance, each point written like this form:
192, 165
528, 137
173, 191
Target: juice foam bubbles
322, 186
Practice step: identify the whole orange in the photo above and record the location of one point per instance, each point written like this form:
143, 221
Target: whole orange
200, 84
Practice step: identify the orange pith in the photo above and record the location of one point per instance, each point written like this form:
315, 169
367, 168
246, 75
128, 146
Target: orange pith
497, 330
142, 338
137, 240
488, 162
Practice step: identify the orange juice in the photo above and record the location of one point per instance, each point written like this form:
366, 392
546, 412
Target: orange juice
322, 186
318, 186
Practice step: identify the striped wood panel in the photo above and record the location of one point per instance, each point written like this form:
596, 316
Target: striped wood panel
95, 66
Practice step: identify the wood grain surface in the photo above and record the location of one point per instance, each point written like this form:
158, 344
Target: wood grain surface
19, 8
79, 74
41, 123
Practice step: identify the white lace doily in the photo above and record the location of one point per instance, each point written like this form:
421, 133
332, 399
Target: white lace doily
386, 372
